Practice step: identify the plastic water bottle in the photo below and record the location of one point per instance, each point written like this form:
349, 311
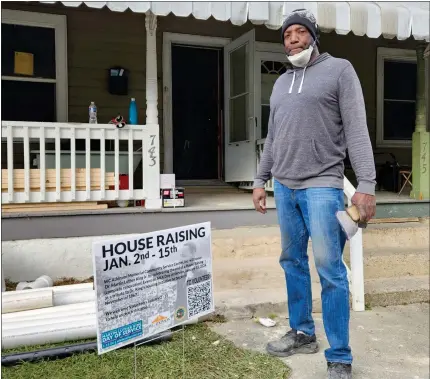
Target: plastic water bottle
92, 110
132, 112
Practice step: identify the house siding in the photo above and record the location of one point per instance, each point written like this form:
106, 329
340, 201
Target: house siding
99, 39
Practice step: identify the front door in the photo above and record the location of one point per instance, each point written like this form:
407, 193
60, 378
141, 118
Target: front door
196, 99
240, 123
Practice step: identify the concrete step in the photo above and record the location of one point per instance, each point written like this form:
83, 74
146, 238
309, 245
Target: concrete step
397, 291
266, 240
249, 280
247, 303
265, 272
394, 262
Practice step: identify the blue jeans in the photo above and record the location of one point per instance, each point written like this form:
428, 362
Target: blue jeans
312, 213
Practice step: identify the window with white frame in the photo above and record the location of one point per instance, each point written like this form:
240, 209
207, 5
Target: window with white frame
396, 97
34, 66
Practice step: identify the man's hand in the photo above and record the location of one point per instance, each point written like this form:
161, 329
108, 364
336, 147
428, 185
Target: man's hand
259, 199
366, 205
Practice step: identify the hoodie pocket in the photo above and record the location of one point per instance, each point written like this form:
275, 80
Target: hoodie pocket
296, 159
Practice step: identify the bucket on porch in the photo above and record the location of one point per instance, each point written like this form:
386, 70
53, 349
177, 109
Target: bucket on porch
123, 185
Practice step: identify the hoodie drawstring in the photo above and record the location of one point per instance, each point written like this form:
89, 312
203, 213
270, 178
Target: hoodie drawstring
292, 83
303, 78
301, 82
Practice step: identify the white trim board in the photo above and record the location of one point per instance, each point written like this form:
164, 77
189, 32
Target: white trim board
186, 39
398, 55
59, 23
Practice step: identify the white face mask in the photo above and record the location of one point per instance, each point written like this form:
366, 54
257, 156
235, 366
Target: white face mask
301, 59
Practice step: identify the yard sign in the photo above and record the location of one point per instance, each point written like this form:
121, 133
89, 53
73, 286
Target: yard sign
148, 283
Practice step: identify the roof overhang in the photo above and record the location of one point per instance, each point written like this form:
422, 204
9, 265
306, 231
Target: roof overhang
389, 19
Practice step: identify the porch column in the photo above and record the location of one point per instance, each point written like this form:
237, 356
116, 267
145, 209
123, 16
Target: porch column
151, 69
151, 165
421, 137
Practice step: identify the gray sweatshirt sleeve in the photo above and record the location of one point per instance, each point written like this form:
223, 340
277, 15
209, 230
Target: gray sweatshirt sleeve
353, 113
266, 160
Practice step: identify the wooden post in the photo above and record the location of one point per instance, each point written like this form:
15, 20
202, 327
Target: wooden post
427, 70
151, 70
150, 143
421, 137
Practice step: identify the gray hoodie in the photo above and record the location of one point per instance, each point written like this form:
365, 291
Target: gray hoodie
316, 113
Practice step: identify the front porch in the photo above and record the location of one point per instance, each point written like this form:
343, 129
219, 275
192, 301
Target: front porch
238, 131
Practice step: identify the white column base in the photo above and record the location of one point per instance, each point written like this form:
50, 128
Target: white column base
152, 203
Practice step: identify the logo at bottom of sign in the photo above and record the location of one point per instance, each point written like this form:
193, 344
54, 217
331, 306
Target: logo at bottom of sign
180, 313
159, 321
123, 333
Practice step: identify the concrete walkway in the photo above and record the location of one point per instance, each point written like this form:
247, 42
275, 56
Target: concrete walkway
387, 343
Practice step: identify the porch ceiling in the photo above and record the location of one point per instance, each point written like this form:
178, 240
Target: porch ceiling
389, 19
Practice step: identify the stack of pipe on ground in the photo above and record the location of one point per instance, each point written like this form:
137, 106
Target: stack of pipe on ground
48, 315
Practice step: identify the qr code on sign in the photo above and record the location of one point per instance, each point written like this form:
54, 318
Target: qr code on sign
199, 297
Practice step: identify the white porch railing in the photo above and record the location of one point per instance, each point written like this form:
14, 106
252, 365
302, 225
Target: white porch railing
356, 273
80, 184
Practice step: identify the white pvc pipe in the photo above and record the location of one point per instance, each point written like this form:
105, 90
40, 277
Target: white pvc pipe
48, 312
73, 287
26, 323
52, 316
20, 300
66, 297
54, 333
43, 281
16, 301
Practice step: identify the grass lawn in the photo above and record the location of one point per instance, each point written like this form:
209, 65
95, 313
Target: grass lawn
203, 360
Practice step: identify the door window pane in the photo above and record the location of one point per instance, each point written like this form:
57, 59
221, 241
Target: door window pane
267, 83
239, 119
28, 101
238, 71
28, 39
270, 72
265, 113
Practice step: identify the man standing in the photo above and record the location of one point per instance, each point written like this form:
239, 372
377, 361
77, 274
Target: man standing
317, 112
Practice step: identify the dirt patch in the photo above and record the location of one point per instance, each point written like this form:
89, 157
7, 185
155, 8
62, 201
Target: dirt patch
66, 281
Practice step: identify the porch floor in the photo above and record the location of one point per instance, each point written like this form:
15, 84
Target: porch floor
237, 200
210, 198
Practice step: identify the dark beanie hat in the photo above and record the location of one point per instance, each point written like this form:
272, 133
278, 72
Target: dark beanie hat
302, 17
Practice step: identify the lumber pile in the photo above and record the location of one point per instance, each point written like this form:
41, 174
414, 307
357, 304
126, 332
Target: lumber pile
50, 186
51, 207
50, 179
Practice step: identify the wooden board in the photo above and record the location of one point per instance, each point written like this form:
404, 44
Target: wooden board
51, 207
50, 179
393, 220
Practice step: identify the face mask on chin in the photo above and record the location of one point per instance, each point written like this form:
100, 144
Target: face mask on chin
301, 59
